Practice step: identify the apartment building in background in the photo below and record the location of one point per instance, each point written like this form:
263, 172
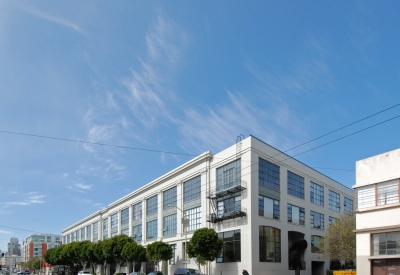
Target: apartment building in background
265, 205
378, 214
36, 245
14, 248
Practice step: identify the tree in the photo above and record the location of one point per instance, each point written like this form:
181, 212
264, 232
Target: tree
100, 254
158, 251
205, 246
339, 242
81, 252
113, 248
134, 253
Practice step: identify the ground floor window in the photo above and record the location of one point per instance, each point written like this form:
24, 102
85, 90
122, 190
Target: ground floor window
270, 244
386, 243
315, 240
231, 248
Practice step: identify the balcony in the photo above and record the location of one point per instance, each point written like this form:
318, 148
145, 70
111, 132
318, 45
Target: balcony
237, 213
227, 189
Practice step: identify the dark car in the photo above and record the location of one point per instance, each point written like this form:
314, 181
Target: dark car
187, 271
24, 272
156, 273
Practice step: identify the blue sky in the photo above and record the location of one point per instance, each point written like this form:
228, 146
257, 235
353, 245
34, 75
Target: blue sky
186, 77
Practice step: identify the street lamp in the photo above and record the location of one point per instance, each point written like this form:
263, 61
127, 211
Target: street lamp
184, 230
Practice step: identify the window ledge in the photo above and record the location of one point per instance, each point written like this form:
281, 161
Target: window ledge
377, 208
378, 257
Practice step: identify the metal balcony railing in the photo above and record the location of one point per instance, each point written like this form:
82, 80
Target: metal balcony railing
219, 217
227, 189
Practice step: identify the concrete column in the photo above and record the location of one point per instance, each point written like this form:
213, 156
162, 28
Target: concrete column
109, 232
144, 225
160, 220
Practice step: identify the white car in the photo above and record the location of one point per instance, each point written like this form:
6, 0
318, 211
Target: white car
84, 272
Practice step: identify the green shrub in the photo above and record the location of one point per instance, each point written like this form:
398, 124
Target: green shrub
329, 272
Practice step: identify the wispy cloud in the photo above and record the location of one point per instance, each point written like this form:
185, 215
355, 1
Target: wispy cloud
30, 198
63, 22
84, 186
6, 232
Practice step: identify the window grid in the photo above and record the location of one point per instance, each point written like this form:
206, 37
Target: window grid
229, 175
152, 205
332, 220
169, 225
137, 211
193, 217
89, 232
114, 225
72, 237
151, 230
270, 244
231, 248
317, 220
268, 174
125, 231
386, 243
295, 185
316, 193
125, 216
169, 198
296, 215
137, 233
265, 210
68, 238
64, 239
105, 229
95, 232
315, 242
229, 205
348, 205
192, 189
334, 201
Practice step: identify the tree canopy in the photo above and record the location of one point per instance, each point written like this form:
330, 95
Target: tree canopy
339, 242
134, 253
158, 251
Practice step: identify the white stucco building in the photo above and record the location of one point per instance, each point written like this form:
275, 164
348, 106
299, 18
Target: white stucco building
378, 214
259, 200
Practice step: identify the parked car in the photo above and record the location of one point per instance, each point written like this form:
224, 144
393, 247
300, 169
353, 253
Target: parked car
24, 272
84, 272
5, 271
156, 273
187, 271
137, 273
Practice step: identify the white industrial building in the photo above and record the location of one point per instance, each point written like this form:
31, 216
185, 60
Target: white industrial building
378, 214
261, 202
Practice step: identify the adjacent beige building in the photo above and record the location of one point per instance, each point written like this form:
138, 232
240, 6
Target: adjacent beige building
264, 204
378, 214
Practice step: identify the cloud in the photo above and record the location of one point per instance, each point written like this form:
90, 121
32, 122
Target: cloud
31, 198
84, 186
6, 232
33, 11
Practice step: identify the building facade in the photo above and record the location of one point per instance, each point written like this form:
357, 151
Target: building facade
378, 214
264, 204
14, 248
36, 245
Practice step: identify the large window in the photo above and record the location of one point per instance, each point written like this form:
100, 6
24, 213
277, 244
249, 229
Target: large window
64, 239
332, 220
137, 233
268, 208
169, 198
152, 205
296, 214
295, 185
348, 205
105, 229
334, 201
316, 193
192, 189
169, 228
315, 243
229, 176
386, 243
89, 232
137, 211
68, 238
125, 217
76, 236
193, 217
270, 244
388, 192
151, 230
229, 205
73, 237
114, 225
95, 232
317, 220
268, 174
231, 248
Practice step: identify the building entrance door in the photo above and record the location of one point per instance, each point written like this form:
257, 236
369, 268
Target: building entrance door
386, 267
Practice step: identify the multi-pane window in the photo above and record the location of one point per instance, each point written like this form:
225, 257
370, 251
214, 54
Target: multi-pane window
193, 217
231, 249
114, 225
169, 228
169, 198
315, 243
348, 205
95, 232
105, 229
125, 216
270, 244
229, 205
137, 233
332, 220
77, 236
295, 185
317, 220
152, 205
89, 232
48, 239
125, 231
386, 243
229, 176
64, 239
316, 193
334, 201
268, 174
192, 189
73, 237
296, 214
172, 260
388, 192
365, 196
268, 208
151, 229
68, 238
137, 211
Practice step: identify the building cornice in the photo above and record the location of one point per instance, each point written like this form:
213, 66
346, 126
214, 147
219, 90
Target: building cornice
378, 229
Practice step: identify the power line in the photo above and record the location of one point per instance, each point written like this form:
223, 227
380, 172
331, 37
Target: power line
17, 228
